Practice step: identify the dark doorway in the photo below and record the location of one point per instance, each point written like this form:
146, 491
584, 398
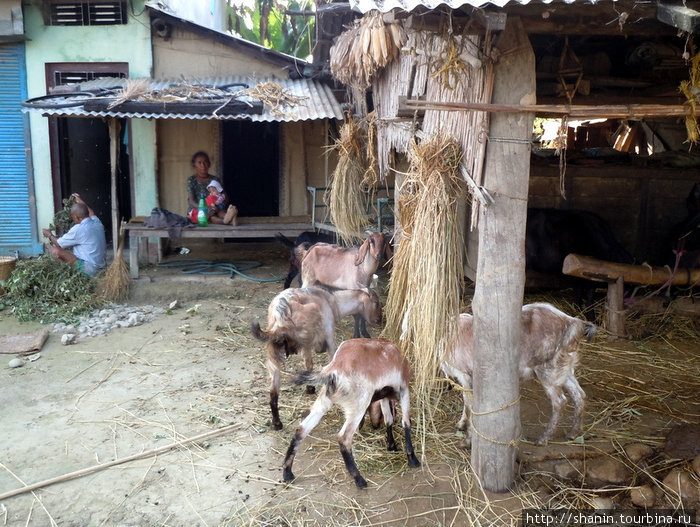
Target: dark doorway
250, 164
85, 167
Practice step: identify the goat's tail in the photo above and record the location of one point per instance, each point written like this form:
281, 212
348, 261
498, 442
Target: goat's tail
257, 332
316, 379
284, 240
589, 331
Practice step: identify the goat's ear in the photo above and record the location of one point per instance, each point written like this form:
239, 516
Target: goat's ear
362, 252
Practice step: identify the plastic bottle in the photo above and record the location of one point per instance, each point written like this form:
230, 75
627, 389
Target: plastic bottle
202, 214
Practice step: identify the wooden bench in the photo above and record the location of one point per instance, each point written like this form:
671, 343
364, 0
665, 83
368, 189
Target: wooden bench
250, 227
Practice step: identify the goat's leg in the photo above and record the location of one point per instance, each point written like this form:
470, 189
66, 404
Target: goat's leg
578, 396
360, 327
405, 403
309, 364
321, 405
388, 415
558, 400
352, 421
274, 372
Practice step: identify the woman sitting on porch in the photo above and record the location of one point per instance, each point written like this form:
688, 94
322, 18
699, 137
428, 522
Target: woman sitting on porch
197, 188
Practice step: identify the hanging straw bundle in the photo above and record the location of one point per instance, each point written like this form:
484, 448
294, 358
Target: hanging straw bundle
691, 90
346, 199
427, 279
113, 285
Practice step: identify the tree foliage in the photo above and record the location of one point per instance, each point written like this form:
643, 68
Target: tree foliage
266, 22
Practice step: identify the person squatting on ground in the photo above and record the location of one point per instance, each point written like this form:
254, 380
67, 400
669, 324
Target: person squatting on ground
86, 239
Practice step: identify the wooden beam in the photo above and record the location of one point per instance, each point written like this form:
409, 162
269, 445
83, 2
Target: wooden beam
618, 111
602, 271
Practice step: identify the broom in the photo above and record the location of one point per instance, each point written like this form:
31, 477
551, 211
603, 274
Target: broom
114, 282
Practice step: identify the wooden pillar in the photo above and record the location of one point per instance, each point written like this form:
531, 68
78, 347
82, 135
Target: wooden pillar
500, 276
616, 308
114, 163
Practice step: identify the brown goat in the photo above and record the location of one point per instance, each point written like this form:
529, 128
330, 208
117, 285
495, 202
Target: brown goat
549, 343
304, 320
362, 371
342, 267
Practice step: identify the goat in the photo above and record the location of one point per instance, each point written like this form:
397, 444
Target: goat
365, 306
305, 239
304, 320
297, 320
362, 371
549, 345
341, 267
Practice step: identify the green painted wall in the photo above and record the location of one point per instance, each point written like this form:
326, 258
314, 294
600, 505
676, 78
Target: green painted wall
129, 43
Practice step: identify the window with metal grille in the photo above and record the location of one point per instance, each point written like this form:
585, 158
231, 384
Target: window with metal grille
86, 13
75, 77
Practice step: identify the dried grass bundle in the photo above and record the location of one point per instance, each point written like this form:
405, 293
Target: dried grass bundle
113, 285
691, 90
133, 89
346, 199
427, 279
272, 94
364, 48
371, 177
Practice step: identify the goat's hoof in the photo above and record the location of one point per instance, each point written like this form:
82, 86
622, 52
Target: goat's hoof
360, 482
392, 448
287, 475
277, 425
413, 460
466, 443
542, 441
310, 390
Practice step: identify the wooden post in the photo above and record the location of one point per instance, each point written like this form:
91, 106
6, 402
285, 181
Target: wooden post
616, 308
500, 276
114, 162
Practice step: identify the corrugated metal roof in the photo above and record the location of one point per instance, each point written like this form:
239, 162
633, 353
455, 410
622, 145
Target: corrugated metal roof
384, 6
318, 101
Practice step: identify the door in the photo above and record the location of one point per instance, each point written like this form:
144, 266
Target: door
250, 164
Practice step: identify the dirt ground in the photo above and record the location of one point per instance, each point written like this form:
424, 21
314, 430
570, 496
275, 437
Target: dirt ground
199, 370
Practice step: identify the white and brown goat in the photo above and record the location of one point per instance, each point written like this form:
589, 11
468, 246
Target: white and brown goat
303, 320
549, 343
342, 267
362, 371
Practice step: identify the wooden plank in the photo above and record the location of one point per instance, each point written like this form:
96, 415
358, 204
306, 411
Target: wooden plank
602, 271
579, 111
500, 276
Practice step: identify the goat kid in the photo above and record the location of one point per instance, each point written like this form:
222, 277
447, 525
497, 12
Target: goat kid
340, 267
362, 371
304, 320
297, 320
549, 345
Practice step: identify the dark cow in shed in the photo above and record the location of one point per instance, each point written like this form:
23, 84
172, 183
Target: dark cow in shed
685, 235
553, 233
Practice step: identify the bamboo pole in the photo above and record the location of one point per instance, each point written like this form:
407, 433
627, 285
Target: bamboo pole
102, 466
579, 111
114, 127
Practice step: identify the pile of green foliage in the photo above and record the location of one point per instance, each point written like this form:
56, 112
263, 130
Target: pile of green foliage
45, 290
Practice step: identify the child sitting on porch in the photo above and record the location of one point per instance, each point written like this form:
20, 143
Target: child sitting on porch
220, 211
